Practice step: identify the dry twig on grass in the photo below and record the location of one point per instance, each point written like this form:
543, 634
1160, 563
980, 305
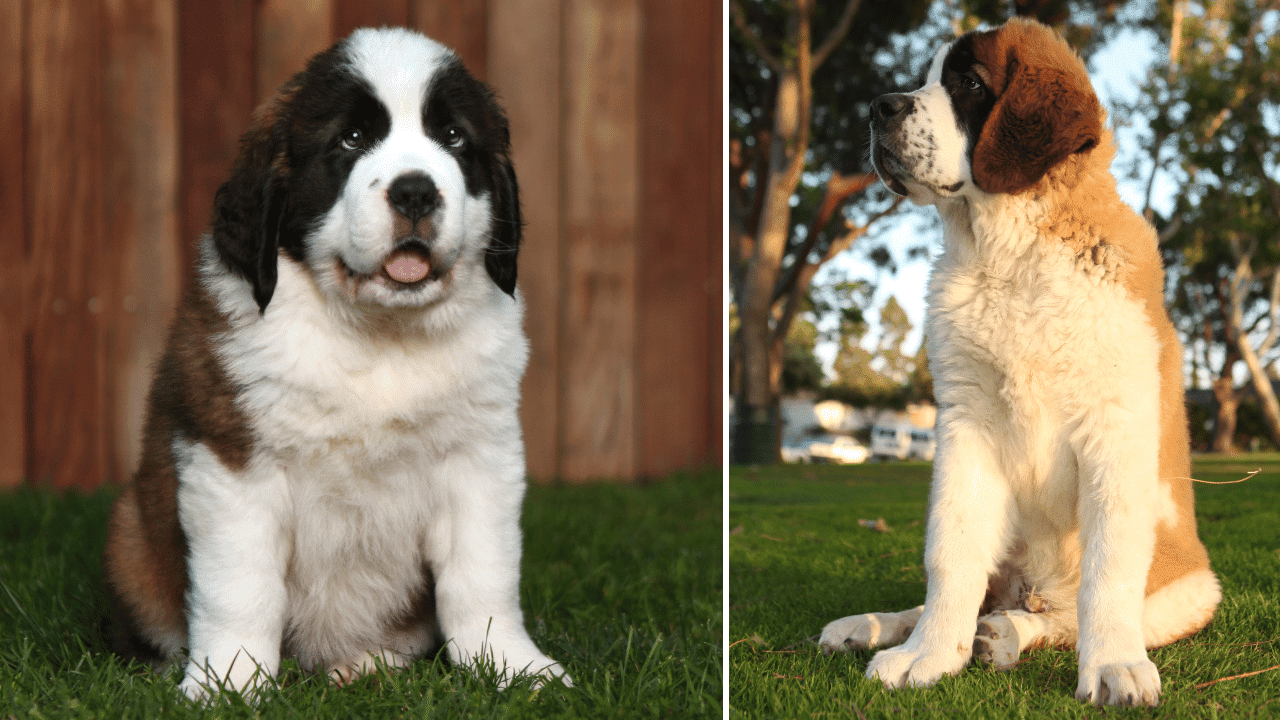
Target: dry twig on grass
1202, 686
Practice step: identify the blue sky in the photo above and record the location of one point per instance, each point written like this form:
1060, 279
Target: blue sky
1118, 69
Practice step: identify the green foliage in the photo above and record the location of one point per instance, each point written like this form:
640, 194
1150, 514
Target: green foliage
800, 368
622, 584
798, 560
1214, 128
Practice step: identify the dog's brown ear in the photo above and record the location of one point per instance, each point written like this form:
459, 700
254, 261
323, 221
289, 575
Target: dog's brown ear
1043, 116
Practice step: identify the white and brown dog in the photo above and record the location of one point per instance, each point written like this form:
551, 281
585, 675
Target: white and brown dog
1061, 510
333, 467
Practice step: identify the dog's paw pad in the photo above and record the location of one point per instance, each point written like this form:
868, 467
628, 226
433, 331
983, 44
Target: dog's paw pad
996, 641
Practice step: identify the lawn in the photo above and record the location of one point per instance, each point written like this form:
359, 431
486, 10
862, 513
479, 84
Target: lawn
798, 559
621, 584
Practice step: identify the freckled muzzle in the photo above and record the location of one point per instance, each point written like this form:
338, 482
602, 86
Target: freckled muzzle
887, 114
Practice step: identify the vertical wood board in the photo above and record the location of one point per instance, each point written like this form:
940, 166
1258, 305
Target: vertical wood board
215, 83
719, 132
67, 420
524, 69
463, 26
676, 238
598, 270
13, 251
351, 14
141, 217
288, 33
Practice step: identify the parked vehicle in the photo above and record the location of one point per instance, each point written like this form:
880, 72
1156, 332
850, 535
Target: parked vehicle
923, 444
890, 441
838, 449
797, 451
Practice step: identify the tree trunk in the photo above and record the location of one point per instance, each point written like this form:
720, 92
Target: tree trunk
1224, 425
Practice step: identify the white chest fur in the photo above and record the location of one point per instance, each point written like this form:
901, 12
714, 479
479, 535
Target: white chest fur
1034, 339
371, 452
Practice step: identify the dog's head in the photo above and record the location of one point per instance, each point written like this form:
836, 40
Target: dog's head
384, 168
999, 109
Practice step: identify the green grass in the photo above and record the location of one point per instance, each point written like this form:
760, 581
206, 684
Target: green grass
798, 559
621, 584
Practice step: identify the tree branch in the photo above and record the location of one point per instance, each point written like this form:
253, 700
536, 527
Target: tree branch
838, 33
739, 16
839, 189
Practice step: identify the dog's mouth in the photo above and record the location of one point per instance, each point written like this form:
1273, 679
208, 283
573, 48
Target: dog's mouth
890, 168
893, 171
410, 265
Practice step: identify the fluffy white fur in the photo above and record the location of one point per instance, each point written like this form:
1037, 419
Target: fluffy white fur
1047, 391
386, 440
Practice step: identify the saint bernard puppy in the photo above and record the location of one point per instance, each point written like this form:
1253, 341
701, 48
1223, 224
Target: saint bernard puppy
1061, 510
332, 467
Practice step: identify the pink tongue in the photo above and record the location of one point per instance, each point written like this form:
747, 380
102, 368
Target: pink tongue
407, 267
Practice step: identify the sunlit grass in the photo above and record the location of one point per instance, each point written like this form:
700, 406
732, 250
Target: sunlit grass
799, 559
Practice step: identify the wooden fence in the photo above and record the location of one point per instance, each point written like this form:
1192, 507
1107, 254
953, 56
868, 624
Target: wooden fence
123, 116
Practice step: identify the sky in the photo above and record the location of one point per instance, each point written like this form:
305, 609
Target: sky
1117, 69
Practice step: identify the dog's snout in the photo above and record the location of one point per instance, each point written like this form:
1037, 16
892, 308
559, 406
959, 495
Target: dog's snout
414, 195
888, 106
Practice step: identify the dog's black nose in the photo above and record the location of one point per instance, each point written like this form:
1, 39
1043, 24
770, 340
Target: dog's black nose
886, 106
414, 195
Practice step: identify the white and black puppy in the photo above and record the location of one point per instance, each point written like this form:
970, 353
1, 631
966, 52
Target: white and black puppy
333, 467
1061, 511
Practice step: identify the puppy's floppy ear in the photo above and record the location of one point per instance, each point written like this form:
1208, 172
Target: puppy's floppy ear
249, 210
1044, 115
504, 241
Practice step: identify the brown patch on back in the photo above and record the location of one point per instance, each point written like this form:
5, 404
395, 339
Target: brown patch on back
1045, 110
1084, 212
192, 397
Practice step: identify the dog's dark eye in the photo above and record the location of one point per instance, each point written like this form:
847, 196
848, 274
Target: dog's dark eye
968, 82
453, 137
352, 139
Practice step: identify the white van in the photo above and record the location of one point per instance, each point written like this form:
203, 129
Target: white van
890, 441
923, 444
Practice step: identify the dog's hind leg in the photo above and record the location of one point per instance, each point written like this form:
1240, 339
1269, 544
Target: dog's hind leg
859, 632
1003, 636
1181, 608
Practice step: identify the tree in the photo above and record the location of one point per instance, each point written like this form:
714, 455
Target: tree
801, 77
1213, 106
778, 87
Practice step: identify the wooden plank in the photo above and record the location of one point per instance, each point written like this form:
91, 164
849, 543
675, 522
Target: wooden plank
13, 253
67, 422
351, 14
141, 216
463, 26
719, 310
215, 104
676, 237
524, 68
598, 271
288, 33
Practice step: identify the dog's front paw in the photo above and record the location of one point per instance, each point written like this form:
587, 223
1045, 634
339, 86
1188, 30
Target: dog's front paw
202, 683
1135, 683
551, 671
541, 668
908, 666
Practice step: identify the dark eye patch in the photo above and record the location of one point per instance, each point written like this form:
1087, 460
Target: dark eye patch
332, 120
971, 99
460, 114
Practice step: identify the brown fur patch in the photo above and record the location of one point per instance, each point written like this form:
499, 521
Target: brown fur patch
192, 397
1045, 110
